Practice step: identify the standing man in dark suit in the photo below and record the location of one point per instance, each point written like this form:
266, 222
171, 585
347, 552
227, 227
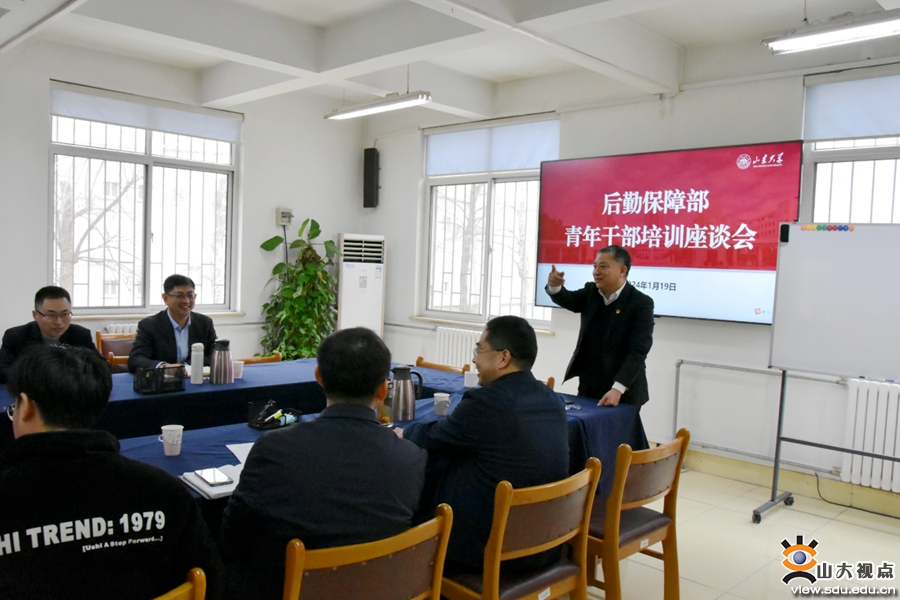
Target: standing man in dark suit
166, 338
512, 428
341, 479
52, 325
616, 331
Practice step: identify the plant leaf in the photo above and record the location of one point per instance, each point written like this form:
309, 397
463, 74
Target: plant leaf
302, 227
314, 229
272, 243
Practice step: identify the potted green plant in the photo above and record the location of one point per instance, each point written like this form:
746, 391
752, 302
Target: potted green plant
302, 309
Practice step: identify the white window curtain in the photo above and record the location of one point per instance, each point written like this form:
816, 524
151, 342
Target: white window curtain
69, 100
852, 109
503, 148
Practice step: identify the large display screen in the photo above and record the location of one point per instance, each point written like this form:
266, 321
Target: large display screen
701, 225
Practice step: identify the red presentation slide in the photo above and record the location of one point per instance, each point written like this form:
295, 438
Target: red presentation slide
701, 225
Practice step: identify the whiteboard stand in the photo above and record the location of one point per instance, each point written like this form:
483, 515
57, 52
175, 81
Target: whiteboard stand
787, 497
776, 498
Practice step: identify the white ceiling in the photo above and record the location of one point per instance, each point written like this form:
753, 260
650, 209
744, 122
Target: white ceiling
460, 50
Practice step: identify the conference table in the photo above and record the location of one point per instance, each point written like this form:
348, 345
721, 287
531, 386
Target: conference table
291, 384
593, 431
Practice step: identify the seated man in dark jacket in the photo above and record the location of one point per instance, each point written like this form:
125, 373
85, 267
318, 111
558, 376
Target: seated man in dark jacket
512, 428
166, 337
341, 479
52, 325
78, 519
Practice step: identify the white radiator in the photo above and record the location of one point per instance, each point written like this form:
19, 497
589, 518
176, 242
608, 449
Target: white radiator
872, 426
121, 328
455, 346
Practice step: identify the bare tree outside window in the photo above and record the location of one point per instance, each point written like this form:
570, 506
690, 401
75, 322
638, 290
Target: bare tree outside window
103, 219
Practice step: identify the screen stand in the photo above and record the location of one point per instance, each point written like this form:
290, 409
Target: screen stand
785, 497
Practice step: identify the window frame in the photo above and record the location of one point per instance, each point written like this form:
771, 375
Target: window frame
490, 179
148, 160
813, 157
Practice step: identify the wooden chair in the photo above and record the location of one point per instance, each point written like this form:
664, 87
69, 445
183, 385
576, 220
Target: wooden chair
118, 346
420, 362
193, 589
255, 360
528, 521
641, 477
550, 382
408, 565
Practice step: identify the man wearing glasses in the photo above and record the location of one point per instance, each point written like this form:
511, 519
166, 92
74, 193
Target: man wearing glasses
52, 325
511, 428
165, 339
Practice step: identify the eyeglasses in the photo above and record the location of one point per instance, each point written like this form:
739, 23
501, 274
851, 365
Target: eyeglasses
476, 351
55, 316
189, 296
10, 409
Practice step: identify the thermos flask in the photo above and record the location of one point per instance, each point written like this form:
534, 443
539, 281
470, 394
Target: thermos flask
221, 369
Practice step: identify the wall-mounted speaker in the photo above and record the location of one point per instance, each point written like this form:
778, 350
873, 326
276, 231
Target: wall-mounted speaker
370, 177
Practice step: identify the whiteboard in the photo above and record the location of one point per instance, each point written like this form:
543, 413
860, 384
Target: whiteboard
837, 302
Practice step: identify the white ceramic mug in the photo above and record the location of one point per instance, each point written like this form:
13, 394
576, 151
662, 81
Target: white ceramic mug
238, 368
441, 403
171, 439
470, 379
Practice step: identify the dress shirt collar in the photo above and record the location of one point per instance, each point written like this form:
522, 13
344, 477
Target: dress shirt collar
612, 297
178, 328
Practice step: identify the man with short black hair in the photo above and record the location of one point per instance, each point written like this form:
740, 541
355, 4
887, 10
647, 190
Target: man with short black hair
52, 325
616, 331
80, 520
341, 479
512, 428
165, 339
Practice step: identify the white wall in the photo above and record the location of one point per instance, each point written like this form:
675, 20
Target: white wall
291, 157
735, 411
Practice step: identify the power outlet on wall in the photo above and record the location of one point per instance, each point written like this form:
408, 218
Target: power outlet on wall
283, 216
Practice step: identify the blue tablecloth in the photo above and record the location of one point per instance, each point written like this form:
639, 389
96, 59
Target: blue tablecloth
291, 384
593, 431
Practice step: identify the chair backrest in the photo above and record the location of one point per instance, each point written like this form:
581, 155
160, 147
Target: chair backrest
119, 344
408, 565
119, 364
535, 519
255, 360
193, 589
420, 362
647, 475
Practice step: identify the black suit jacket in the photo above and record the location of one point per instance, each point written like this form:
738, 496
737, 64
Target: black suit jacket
155, 341
16, 339
513, 429
624, 343
341, 479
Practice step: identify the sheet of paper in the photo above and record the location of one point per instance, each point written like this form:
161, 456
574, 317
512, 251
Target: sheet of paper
240, 450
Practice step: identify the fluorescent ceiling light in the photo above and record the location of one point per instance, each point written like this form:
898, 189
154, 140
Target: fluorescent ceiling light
389, 102
840, 31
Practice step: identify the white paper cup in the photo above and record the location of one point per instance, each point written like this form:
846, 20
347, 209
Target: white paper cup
470, 379
171, 439
238, 369
441, 403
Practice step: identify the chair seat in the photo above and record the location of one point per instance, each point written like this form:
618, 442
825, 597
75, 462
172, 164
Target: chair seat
519, 585
633, 525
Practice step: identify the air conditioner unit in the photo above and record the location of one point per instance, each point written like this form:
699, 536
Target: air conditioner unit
361, 282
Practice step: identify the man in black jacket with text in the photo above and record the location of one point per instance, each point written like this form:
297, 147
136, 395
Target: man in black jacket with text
78, 519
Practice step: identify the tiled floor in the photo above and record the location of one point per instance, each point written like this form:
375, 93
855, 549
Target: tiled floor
722, 554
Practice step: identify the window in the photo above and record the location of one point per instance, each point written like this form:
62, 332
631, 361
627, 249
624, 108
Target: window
856, 181
132, 205
483, 229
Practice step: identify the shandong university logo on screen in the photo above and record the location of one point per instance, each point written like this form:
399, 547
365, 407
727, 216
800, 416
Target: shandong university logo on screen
811, 575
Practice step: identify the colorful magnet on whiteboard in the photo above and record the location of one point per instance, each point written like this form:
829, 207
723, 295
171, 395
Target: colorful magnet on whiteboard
851, 227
